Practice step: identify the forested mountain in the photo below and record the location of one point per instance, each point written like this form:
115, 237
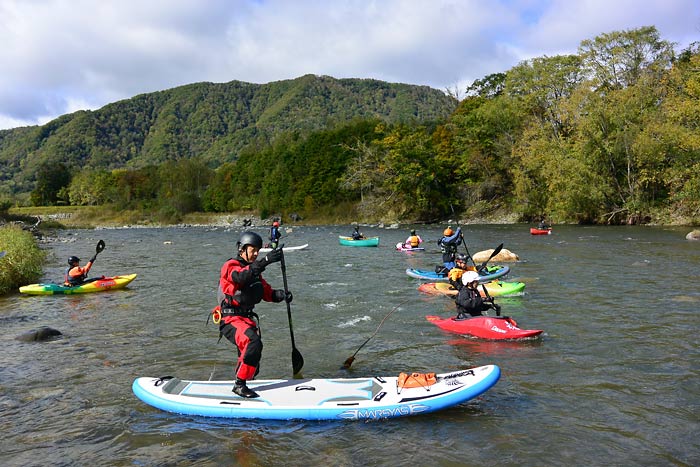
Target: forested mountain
607, 135
209, 121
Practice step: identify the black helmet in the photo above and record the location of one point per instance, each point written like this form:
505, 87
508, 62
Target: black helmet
461, 257
73, 259
413, 232
249, 238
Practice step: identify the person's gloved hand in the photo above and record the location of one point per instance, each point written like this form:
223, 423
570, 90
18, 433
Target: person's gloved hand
92, 260
497, 308
272, 257
279, 295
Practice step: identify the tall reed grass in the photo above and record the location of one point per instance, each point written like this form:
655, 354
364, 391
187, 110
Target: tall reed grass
21, 260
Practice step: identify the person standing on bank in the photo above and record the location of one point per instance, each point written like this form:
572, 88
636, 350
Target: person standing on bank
275, 234
241, 287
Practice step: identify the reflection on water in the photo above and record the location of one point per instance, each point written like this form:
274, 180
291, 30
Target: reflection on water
612, 381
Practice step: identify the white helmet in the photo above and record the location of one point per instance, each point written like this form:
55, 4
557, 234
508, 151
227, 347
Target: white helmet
470, 276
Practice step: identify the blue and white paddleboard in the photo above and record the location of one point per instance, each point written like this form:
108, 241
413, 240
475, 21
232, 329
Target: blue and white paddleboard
316, 399
486, 275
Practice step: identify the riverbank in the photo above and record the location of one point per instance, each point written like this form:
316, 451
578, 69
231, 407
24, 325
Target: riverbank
21, 259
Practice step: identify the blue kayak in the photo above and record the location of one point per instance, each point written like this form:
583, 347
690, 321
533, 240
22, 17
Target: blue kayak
488, 274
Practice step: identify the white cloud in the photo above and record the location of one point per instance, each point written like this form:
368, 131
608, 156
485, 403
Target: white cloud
59, 55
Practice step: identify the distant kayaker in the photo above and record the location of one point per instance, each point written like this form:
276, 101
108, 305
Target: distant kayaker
356, 234
448, 243
241, 287
469, 302
543, 225
76, 275
275, 234
413, 240
456, 273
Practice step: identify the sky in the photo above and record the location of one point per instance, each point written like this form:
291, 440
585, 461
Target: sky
60, 56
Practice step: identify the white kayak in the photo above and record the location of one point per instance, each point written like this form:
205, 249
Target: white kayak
286, 248
317, 399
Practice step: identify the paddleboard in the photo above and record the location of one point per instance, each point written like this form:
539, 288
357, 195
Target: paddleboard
371, 398
100, 285
286, 248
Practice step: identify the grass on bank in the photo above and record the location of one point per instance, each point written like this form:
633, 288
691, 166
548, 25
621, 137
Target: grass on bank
22, 261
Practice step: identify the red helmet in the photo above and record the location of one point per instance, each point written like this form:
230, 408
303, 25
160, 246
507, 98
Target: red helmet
275, 224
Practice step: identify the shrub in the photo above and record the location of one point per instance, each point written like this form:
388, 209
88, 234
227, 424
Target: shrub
22, 260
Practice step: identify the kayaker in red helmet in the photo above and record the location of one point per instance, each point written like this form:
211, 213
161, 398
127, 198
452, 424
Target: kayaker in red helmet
275, 234
469, 302
241, 287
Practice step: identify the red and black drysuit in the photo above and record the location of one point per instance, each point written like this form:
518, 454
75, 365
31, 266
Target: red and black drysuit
241, 287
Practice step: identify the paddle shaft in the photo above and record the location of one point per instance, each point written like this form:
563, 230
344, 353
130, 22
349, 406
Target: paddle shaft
297, 359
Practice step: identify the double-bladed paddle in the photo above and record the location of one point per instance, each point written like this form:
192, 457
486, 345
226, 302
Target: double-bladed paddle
495, 252
297, 359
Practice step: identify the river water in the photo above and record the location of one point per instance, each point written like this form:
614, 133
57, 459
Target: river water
614, 380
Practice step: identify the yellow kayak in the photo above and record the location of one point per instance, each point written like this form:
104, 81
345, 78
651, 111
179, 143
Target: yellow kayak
99, 285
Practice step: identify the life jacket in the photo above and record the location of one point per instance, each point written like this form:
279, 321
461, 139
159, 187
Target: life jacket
414, 241
76, 278
236, 299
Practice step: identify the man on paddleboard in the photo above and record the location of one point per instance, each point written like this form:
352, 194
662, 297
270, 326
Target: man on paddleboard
275, 234
241, 287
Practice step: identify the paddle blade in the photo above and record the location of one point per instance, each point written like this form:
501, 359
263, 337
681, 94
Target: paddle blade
495, 252
348, 362
100, 246
297, 361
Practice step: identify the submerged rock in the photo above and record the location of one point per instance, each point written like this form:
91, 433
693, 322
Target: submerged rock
42, 334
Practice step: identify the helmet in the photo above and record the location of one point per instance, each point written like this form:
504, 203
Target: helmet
461, 257
73, 259
413, 232
469, 277
275, 224
249, 238
448, 231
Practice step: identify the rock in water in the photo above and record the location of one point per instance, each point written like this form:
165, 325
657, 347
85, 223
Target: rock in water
42, 334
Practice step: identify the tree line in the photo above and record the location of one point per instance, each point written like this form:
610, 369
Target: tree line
607, 135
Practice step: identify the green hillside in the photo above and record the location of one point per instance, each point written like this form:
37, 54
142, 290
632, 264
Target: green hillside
209, 121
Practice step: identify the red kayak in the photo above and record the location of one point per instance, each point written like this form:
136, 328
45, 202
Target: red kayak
484, 327
536, 231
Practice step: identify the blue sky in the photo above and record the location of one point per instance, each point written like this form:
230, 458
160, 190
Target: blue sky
59, 56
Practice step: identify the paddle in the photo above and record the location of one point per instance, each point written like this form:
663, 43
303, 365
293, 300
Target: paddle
100, 246
297, 359
495, 252
348, 361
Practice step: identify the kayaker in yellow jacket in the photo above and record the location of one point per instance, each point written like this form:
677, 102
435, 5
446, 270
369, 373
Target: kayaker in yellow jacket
413, 240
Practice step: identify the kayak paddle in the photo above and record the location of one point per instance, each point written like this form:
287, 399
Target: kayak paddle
495, 252
100, 246
297, 359
348, 361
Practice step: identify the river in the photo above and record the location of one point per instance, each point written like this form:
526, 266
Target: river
613, 381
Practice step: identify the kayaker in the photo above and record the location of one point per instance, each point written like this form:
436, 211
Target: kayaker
413, 240
241, 287
76, 275
543, 225
356, 234
448, 243
456, 273
275, 234
469, 301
